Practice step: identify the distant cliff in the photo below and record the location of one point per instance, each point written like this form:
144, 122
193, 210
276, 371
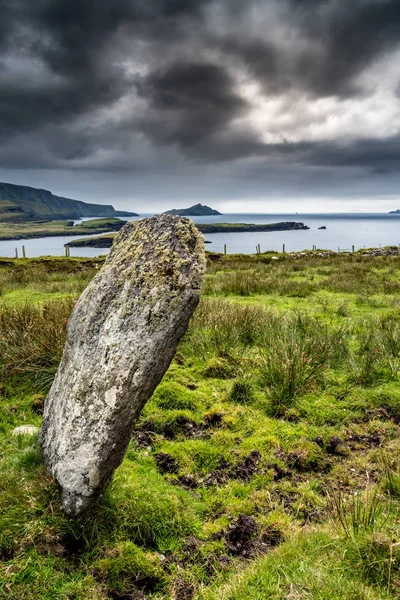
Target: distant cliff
198, 210
43, 204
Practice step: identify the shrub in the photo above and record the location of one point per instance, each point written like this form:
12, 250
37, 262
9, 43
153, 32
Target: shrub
32, 340
294, 358
359, 513
390, 464
241, 391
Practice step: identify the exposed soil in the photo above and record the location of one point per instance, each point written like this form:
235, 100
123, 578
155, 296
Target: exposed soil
143, 438
183, 590
38, 404
245, 469
335, 445
248, 467
240, 536
181, 426
166, 463
279, 472
213, 419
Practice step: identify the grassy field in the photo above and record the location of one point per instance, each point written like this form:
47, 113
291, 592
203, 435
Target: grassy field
266, 465
36, 229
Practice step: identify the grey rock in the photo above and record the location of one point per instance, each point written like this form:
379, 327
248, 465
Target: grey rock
122, 336
26, 430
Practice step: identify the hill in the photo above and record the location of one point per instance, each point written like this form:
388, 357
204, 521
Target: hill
10, 212
395, 212
37, 203
198, 210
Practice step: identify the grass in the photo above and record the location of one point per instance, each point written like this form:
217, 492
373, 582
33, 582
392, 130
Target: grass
34, 229
266, 464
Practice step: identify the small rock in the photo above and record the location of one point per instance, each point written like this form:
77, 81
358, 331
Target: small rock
26, 430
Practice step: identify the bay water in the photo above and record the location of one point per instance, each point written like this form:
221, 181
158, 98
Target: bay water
362, 230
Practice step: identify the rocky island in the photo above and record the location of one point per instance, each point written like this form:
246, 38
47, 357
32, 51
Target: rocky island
198, 210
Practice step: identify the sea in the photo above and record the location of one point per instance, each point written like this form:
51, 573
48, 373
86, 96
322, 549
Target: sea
343, 230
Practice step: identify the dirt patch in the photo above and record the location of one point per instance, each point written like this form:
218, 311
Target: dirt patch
215, 564
143, 438
219, 475
245, 469
183, 590
240, 536
373, 440
166, 463
248, 467
70, 546
188, 481
271, 536
335, 446
6, 554
213, 420
38, 404
180, 426
279, 472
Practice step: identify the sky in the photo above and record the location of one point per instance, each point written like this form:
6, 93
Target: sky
248, 106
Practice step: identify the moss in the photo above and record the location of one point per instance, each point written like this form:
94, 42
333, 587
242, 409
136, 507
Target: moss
171, 395
125, 568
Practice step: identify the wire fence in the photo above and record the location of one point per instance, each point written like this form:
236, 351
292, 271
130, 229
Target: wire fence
59, 250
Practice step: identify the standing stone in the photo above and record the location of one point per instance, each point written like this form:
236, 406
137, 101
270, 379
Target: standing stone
122, 336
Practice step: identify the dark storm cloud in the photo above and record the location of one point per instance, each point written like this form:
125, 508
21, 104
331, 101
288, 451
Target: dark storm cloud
72, 40
192, 101
352, 35
168, 73
341, 39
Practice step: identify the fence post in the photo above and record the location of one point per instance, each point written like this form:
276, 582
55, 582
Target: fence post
283, 248
23, 252
16, 252
224, 248
352, 249
259, 248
